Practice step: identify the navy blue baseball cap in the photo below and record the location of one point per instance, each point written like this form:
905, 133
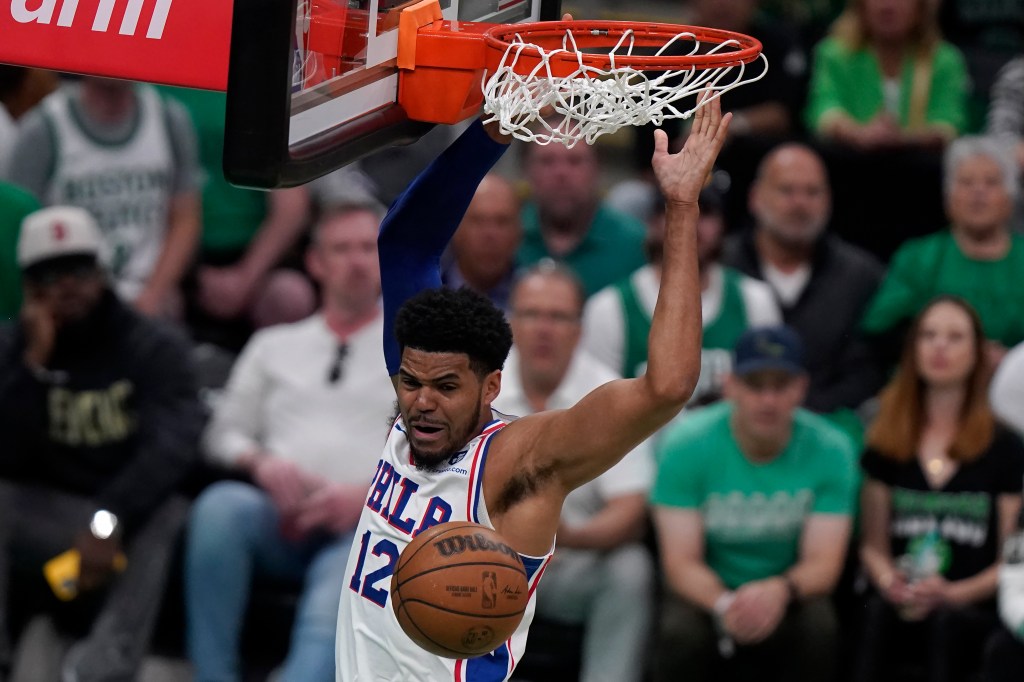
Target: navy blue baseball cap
769, 348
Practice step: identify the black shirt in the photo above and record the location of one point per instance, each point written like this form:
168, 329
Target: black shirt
117, 420
827, 316
960, 520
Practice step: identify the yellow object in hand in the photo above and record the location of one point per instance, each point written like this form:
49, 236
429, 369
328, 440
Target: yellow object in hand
62, 572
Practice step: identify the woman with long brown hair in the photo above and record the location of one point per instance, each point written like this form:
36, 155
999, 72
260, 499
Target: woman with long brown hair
942, 492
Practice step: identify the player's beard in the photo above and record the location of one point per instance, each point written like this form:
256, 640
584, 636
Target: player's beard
460, 435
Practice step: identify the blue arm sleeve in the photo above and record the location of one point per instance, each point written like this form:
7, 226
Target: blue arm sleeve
423, 219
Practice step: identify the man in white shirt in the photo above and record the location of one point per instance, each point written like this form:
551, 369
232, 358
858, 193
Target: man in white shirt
601, 576
617, 319
303, 415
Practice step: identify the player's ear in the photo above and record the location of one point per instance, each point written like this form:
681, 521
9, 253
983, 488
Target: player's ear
491, 387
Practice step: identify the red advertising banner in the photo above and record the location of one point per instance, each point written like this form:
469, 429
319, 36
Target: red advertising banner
175, 42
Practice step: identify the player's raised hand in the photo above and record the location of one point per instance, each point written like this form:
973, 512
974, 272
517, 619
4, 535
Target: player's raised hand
681, 176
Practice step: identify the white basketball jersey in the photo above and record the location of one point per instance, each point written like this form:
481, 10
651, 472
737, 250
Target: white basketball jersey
126, 186
403, 501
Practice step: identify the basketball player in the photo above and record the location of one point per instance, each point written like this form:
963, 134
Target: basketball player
449, 456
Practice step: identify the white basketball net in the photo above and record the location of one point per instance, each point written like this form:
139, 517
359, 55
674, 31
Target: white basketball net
543, 108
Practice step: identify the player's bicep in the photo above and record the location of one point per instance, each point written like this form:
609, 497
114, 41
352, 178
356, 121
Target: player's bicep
587, 439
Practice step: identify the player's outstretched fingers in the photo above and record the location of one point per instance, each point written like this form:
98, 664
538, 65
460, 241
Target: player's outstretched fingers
712, 111
698, 117
660, 142
713, 124
721, 122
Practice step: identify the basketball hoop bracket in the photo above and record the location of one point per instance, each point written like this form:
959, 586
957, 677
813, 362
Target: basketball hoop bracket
589, 77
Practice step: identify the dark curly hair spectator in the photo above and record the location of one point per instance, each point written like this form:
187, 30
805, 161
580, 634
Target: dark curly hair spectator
455, 321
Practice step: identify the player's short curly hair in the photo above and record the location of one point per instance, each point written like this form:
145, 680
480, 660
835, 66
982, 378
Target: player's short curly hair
455, 321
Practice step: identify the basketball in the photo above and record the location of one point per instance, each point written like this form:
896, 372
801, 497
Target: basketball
459, 590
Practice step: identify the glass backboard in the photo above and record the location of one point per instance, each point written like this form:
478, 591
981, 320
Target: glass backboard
313, 84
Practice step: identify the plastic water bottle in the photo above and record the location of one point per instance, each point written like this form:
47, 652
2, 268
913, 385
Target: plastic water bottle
923, 561
926, 558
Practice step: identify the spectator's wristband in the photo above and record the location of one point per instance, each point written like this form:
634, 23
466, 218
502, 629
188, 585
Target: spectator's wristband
726, 644
104, 524
723, 603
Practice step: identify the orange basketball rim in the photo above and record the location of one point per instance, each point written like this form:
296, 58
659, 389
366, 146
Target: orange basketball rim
443, 63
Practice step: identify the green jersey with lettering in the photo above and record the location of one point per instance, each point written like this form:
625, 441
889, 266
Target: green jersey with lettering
753, 512
126, 186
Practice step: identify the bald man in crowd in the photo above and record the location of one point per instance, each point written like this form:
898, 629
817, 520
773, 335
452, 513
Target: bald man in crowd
821, 282
482, 254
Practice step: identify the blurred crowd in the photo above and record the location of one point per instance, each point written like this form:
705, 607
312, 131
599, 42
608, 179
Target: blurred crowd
193, 393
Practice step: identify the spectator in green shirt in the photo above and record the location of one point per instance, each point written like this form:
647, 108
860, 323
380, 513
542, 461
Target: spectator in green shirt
884, 78
565, 218
979, 258
752, 504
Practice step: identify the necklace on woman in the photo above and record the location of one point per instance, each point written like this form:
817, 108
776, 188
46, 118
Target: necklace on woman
938, 469
936, 465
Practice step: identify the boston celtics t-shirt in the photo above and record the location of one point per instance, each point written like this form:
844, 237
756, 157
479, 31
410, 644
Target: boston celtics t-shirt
957, 524
754, 512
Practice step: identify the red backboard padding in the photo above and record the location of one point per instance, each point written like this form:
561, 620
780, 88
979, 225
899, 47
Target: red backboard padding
175, 42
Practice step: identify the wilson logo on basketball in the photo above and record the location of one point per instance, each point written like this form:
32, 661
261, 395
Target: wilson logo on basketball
457, 544
43, 14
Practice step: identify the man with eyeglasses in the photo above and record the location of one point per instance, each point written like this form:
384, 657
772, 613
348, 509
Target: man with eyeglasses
100, 420
752, 505
602, 575
303, 416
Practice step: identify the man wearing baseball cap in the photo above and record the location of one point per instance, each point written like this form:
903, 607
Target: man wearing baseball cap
100, 420
752, 504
